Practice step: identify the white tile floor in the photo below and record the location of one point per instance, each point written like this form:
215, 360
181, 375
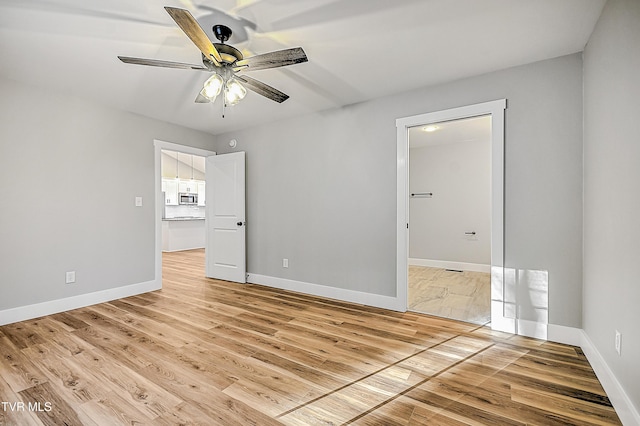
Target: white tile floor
463, 296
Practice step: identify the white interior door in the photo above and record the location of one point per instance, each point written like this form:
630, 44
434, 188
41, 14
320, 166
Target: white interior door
225, 217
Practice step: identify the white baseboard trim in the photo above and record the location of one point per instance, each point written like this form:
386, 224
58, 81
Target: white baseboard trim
499, 322
369, 299
445, 264
534, 329
625, 409
628, 413
37, 310
563, 334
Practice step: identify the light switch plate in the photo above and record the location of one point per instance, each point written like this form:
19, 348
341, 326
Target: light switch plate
138, 201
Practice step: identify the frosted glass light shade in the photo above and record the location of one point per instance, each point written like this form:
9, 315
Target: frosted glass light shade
234, 91
212, 87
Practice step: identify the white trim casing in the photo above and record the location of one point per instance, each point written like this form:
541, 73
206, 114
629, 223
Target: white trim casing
159, 200
496, 110
37, 310
362, 298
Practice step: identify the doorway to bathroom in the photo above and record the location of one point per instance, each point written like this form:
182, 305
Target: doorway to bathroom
450, 219
496, 111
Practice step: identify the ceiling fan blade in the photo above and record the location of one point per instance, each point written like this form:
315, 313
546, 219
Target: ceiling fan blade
279, 58
163, 64
263, 89
192, 29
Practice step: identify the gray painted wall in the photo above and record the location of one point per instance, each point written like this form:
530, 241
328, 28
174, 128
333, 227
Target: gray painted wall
459, 176
611, 191
69, 173
321, 189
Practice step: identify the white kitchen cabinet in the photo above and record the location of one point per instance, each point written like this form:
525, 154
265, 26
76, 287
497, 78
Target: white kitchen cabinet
188, 187
201, 196
170, 189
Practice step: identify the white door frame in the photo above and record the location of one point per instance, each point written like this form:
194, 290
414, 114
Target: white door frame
496, 110
159, 200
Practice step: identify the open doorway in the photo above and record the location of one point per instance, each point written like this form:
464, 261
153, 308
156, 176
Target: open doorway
183, 190
496, 110
225, 245
181, 170
450, 219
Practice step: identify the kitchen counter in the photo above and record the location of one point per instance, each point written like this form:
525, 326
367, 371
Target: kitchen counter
183, 233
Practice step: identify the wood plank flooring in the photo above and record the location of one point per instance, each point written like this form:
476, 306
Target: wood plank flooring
459, 295
209, 352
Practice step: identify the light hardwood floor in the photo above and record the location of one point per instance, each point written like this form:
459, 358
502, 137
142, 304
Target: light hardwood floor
463, 296
209, 352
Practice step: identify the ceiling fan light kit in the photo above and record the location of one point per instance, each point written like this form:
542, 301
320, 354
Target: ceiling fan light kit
234, 92
212, 87
225, 62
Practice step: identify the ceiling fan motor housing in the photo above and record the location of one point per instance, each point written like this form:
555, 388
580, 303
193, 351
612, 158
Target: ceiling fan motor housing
222, 32
228, 53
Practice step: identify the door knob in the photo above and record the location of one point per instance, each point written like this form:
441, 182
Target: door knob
240, 223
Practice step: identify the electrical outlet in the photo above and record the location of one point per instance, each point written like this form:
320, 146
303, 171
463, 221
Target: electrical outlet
70, 277
618, 342
285, 263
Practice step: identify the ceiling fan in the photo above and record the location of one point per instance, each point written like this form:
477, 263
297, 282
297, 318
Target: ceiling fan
227, 63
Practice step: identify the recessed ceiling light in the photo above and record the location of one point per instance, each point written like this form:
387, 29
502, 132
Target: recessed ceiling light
430, 128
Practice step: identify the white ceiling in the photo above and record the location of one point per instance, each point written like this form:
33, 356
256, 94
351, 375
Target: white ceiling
190, 161
476, 129
358, 49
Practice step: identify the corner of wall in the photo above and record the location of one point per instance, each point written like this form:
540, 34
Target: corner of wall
620, 400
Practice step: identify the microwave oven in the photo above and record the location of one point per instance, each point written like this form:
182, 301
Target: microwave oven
184, 198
